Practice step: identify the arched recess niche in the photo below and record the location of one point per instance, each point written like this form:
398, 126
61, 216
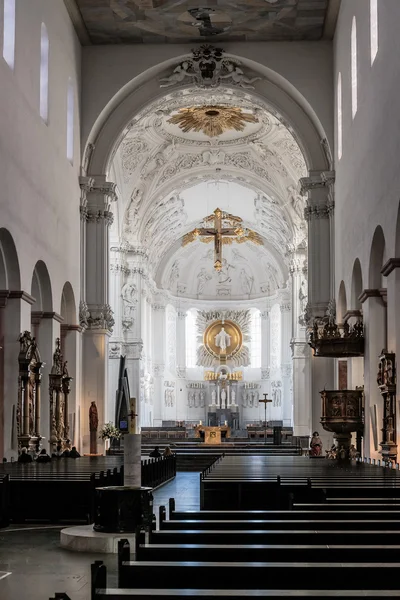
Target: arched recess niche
356, 285
10, 325
375, 319
342, 303
45, 329
70, 344
282, 98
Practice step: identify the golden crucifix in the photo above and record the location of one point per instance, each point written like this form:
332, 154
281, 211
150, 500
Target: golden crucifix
222, 228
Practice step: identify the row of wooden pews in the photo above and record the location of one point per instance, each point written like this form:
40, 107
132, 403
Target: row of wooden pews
243, 482
344, 543
64, 490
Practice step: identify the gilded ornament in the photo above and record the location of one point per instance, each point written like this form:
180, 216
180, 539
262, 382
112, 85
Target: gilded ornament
222, 228
212, 120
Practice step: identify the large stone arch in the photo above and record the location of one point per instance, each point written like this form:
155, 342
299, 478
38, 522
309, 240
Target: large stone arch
10, 278
356, 285
281, 96
10, 324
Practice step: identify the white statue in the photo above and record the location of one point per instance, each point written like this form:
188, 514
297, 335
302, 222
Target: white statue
174, 276
178, 75
223, 397
202, 399
245, 396
246, 282
128, 294
239, 77
213, 396
190, 399
296, 201
222, 340
233, 396
202, 279
223, 274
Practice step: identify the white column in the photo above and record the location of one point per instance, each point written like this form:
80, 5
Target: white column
301, 352
159, 359
286, 364
319, 214
95, 312
265, 345
118, 273
181, 344
374, 313
133, 338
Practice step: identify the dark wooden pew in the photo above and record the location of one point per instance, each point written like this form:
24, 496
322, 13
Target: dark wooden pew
254, 575
312, 537
357, 524
99, 590
4, 501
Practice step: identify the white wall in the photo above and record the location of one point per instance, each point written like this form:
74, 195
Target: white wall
39, 192
307, 66
367, 187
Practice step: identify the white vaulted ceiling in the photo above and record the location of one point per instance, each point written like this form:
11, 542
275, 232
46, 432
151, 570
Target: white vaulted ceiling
170, 180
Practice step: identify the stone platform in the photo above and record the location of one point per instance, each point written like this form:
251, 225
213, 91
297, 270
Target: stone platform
83, 538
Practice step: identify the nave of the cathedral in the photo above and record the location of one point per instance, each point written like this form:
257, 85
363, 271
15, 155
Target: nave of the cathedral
199, 250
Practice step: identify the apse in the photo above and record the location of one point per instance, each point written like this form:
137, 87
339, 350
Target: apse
208, 226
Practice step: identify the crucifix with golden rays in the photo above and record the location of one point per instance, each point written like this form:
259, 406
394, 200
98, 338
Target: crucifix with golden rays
222, 228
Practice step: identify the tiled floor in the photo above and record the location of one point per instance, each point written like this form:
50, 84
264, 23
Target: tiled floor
39, 567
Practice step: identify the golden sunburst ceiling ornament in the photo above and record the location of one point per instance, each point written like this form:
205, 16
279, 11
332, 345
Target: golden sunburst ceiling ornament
212, 119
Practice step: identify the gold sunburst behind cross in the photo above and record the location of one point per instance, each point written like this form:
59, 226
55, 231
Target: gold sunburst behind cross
212, 120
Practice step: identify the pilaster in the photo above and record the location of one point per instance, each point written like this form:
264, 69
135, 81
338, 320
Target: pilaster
181, 344
374, 313
95, 313
319, 213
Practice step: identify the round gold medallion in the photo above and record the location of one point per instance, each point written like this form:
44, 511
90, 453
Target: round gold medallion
223, 339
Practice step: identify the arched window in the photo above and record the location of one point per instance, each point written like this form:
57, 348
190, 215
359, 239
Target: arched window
373, 10
44, 74
354, 90
191, 339
9, 32
70, 121
339, 117
255, 333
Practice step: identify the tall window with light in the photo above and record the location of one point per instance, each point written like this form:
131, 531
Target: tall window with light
339, 117
44, 74
373, 10
9, 32
255, 333
70, 121
354, 74
191, 339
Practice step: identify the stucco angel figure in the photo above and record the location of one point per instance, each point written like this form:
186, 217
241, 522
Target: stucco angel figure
128, 294
202, 278
222, 340
178, 75
238, 77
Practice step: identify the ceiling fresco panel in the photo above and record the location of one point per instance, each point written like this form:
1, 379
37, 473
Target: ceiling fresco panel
136, 21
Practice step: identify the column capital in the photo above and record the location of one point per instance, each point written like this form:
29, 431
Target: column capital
96, 317
390, 266
134, 349
316, 180
159, 369
37, 316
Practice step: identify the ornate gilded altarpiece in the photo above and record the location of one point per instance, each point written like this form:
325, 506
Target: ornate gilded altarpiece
235, 328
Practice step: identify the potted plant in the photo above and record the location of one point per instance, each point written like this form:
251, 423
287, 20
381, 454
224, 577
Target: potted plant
110, 434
